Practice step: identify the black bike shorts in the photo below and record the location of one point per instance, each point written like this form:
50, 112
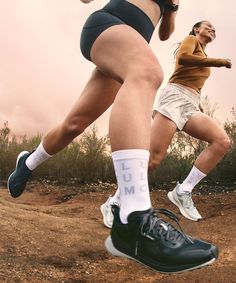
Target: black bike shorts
116, 12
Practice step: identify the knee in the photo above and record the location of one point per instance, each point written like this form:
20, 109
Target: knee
155, 76
150, 74
223, 144
226, 143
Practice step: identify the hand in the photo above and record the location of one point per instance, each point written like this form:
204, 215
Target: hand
86, 1
227, 63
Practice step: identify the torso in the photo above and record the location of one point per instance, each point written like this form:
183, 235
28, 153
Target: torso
192, 77
150, 8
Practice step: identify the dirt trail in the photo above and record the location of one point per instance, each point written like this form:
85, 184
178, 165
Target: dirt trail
55, 234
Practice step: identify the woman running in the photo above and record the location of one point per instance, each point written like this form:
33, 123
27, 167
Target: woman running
177, 109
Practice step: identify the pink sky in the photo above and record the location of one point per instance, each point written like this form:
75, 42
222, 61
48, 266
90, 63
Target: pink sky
42, 71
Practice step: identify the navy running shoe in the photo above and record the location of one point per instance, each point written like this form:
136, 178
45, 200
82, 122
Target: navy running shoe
152, 241
16, 182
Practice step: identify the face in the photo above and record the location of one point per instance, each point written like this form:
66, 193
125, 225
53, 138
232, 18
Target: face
207, 31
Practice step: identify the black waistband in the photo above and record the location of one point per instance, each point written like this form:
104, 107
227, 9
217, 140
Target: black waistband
132, 16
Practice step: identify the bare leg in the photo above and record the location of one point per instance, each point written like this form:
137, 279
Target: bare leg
96, 98
133, 63
203, 127
162, 132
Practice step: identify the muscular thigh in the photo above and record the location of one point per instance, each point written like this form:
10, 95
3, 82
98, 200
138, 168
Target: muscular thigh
203, 127
120, 50
97, 96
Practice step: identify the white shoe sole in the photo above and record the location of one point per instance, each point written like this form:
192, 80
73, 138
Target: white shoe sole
103, 211
111, 249
171, 198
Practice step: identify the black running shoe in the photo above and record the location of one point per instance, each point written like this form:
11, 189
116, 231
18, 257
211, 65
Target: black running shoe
150, 240
16, 182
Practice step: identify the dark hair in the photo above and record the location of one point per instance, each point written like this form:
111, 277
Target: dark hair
197, 25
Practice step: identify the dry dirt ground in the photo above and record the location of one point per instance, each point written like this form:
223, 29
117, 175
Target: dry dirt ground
56, 234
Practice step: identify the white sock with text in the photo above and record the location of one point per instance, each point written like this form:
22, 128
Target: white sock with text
131, 168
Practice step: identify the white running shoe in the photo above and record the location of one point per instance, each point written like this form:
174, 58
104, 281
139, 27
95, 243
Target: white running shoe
107, 213
185, 204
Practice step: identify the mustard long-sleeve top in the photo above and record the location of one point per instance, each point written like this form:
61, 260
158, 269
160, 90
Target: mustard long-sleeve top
192, 66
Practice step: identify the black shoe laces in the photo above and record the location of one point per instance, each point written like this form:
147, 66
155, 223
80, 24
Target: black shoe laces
154, 227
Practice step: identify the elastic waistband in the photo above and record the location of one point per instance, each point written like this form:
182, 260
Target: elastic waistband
185, 91
132, 16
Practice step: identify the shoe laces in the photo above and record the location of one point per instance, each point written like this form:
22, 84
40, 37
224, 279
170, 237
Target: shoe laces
154, 227
187, 198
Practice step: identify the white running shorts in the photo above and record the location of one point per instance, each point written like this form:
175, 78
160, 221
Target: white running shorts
177, 103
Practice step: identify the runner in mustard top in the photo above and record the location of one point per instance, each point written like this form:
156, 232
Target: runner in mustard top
177, 108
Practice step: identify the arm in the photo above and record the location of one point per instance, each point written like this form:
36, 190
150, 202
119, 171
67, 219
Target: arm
186, 57
194, 60
167, 24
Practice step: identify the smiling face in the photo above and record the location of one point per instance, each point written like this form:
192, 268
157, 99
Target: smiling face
206, 31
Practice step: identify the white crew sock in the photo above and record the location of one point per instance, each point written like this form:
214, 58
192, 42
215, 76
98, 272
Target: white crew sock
193, 178
37, 157
116, 198
131, 167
